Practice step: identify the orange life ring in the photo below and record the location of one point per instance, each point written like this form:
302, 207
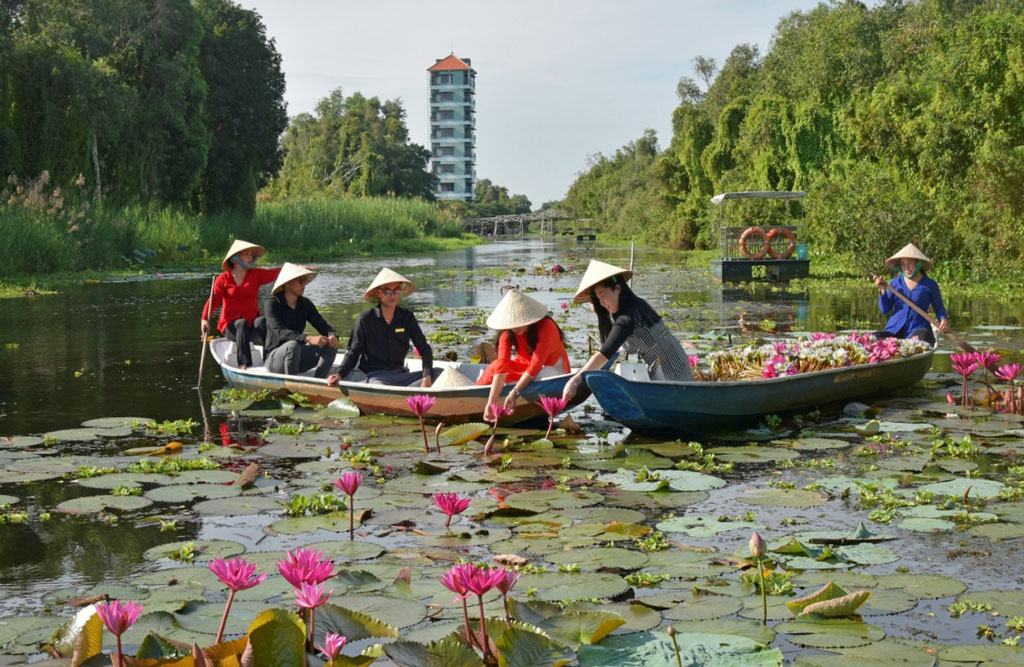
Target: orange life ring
774, 233
746, 235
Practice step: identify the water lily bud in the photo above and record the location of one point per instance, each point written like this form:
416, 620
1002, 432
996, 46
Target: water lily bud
757, 545
671, 631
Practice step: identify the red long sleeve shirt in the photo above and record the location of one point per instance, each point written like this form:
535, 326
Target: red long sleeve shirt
550, 350
240, 299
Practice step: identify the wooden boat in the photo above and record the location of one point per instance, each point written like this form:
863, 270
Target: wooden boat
698, 409
454, 405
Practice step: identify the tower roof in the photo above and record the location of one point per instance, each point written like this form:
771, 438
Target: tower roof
452, 62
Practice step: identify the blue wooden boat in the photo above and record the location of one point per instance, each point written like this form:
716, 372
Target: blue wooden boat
697, 409
454, 404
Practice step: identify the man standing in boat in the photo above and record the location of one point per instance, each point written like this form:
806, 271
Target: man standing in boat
288, 349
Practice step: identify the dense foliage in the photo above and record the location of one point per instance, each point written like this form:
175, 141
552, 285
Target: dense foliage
352, 146
491, 199
145, 99
902, 121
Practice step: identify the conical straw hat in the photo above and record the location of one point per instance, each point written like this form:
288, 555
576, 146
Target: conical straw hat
387, 276
237, 247
909, 251
451, 379
598, 272
516, 310
290, 272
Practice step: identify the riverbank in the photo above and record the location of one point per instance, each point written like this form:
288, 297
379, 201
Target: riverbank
47, 247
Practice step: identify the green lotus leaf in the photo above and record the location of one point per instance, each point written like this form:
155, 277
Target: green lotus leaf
424, 467
173, 598
600, 557
926, 525
457, 435
203, 550
838, 607
829, 591
705, 607
13, 627
998, 531
656, 650
631, 458
398, 612
572, 628
337, 616
204, 477
812, 444
205, 617
95, 504
672, 450
118, 422
9, 500
237, 506
553, 586
704, 526
987, 654
654, 501
542, 500
837, 627
782, 498
188, 493
285, 450
979, 488
430, 484
866, 554
75, 434
341, 408
752, 630
277, 638
276, 586
888, 601
1007, 603
444, 653
129, 479
759, 454
883, 653
845, 579
928, 586
638, 617
519, 647
20, 441
460, 539
335, 522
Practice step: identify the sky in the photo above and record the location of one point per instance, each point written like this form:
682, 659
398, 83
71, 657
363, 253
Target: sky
557, 80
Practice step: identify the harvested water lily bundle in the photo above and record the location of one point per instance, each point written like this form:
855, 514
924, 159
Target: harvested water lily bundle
819, 352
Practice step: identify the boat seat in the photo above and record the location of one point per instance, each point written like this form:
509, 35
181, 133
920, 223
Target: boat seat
257, 354
632, 370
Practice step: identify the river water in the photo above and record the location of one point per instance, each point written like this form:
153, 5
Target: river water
131, 348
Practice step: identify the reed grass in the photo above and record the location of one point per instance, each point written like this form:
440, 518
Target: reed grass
46, 230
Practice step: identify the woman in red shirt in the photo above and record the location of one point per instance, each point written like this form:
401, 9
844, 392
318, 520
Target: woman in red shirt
525, 327
238, 290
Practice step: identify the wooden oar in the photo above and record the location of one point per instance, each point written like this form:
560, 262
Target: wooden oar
964, 345
209, 314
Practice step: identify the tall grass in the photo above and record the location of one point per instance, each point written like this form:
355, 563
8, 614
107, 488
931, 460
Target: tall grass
46, 229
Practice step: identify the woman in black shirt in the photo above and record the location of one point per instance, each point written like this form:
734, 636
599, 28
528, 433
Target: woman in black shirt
381, 336
626, 321
287, 348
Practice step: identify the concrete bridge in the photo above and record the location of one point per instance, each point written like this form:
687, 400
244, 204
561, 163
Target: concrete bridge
518, 224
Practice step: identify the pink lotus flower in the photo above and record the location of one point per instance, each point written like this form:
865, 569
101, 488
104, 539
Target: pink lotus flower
349, 484
333, 643
553, 405
311, 596
821, 335
565, 305
305, 566
455, 580
237, 574
694, 360
504, 586
1009, 372
964, 364
420, 404
497, 410
451, 504
987, 360
949, 398
118, 618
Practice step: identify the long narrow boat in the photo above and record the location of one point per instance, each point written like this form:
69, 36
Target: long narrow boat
454, 405
698, 409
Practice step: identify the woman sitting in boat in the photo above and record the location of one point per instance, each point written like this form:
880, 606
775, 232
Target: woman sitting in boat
912, 282
525, 328
288, 348
237, 288
626, 321
381, 336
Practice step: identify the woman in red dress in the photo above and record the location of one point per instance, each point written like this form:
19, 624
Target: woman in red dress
524, 328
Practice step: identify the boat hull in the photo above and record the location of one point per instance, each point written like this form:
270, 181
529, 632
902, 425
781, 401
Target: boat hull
698, 409
453, 405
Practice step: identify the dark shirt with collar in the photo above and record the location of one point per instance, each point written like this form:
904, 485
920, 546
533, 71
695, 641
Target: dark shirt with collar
285, 323
376, 345
904, 320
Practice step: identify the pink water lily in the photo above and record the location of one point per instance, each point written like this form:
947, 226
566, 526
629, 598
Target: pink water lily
119, 617
497, 411
964, 364
349, 484
420, 404
454, 579
311, 596
553, 405
305, 566
504, 586
451, 504
988, 360
333, 643
1010, 372
238, 575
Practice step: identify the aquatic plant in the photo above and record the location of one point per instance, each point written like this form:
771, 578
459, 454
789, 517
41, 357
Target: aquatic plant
455, 579
497, 410
118, 618
757, 549
1010, 372
451, 504
308, 597
671, 632
420, 404
553, 405
238, 575
305, 566
964, 364
333, 643
349, 484
504, 586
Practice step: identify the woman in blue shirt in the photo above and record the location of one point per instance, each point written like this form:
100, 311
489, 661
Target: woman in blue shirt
912, 282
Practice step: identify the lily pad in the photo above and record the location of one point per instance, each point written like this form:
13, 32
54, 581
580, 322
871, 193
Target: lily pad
541, 501
979, 488
187, 493
396, 612
704, 526
335, 522
20, 441
648, 649
204, 550
928, 586
9, 500
95, 504
753, 454
705, 607
553, 586
237, 506
596, 558
782, 498
463, 433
